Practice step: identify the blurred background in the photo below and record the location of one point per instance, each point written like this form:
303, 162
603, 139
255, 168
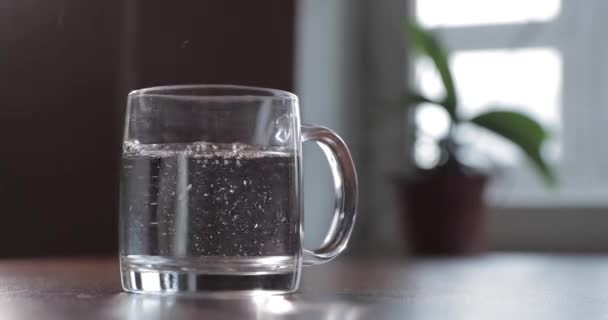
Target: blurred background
66, 67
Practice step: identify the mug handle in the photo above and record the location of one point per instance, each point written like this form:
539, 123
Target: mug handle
345, 184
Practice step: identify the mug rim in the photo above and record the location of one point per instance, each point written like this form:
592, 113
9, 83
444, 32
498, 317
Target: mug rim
240, 92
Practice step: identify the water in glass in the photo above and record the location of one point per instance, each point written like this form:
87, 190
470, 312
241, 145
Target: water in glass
203, 216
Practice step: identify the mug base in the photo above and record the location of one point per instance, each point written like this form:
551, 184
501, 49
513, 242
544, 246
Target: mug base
205, 278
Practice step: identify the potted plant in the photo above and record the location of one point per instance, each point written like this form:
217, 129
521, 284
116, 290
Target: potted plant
444, 206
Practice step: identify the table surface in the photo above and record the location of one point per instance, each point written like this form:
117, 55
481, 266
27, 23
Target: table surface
494, 286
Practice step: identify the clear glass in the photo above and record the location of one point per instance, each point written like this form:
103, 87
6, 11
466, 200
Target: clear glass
211, 191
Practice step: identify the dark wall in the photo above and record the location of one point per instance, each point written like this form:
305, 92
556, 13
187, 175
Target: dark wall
65, 67
229, 41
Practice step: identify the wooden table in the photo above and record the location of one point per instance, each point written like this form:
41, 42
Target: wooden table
496, 286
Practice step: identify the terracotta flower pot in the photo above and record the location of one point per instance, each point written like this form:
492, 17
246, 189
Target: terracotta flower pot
445, 213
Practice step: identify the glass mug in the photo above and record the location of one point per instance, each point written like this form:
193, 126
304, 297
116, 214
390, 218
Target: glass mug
211, 195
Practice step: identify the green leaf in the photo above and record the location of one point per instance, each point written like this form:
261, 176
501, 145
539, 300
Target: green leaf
524, 132
413, 99
426, 43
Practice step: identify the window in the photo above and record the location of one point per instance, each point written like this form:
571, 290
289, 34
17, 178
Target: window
445, 13
542, 57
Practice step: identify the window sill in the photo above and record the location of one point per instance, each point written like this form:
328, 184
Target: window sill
557, 229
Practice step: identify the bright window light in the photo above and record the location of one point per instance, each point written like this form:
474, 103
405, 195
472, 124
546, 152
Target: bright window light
450, 13
433, 121
527, 80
